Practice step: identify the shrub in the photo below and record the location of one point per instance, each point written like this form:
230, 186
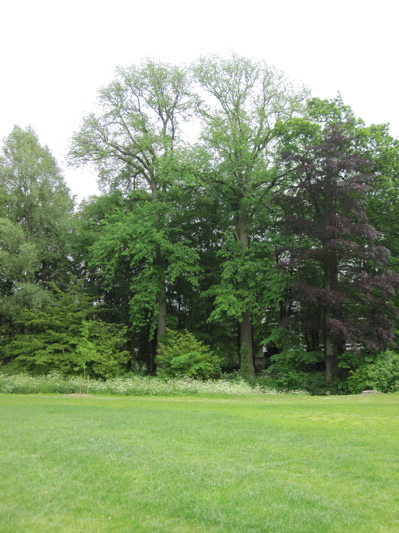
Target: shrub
181, 354
293, 368
380, 373
65, 337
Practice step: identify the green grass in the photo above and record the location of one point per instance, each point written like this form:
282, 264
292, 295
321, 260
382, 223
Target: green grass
287, 464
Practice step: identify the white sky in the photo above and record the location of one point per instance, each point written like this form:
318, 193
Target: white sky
55, 55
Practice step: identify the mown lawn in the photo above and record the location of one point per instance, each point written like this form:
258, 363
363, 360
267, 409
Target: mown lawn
284, 464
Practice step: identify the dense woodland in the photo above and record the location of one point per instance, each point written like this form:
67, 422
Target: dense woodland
244, 225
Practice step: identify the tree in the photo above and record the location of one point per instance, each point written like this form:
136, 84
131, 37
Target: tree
241, 105
18, 258
382, 150
35, 225
341, 288
34, 196
136, 145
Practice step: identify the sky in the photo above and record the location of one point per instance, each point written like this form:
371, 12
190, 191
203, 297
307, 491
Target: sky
56, 54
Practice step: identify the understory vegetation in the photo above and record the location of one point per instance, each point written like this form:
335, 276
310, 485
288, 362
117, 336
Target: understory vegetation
129, 386
246, 230
381, 375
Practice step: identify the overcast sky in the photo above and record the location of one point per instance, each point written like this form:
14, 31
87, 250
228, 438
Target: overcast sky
55, 55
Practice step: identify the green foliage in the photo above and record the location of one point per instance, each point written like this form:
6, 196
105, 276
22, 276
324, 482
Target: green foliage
380, 373
264, 283
291, 380
18, 257
35, 198
187, 236
331, 111
244, 101
109, 357
293, 367
133, 236
181, 354
61, 337
35, 235
137, 146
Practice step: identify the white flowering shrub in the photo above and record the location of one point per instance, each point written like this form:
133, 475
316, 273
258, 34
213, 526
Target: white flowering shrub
132, 386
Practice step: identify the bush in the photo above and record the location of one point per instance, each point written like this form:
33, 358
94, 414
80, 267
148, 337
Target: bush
380, 373
293, 367
181, 354
65, 337
293, 381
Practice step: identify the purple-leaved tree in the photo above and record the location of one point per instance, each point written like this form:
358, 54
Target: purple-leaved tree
341, 288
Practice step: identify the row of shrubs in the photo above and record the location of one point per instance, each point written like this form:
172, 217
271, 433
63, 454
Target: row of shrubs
187, 366
182, 354
381, 374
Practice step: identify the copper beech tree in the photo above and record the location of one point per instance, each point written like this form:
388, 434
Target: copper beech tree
341, 289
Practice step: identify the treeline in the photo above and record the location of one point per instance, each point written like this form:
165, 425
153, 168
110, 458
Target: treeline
241, 221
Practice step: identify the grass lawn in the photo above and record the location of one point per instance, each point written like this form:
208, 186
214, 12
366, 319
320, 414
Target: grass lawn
287, 464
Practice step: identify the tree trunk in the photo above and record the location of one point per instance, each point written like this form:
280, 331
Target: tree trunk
329, 351
161, 327
247, 367
330, 348
246, 351
161, 301
160, 262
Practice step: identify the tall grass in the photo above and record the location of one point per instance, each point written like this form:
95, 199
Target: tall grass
132, 386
